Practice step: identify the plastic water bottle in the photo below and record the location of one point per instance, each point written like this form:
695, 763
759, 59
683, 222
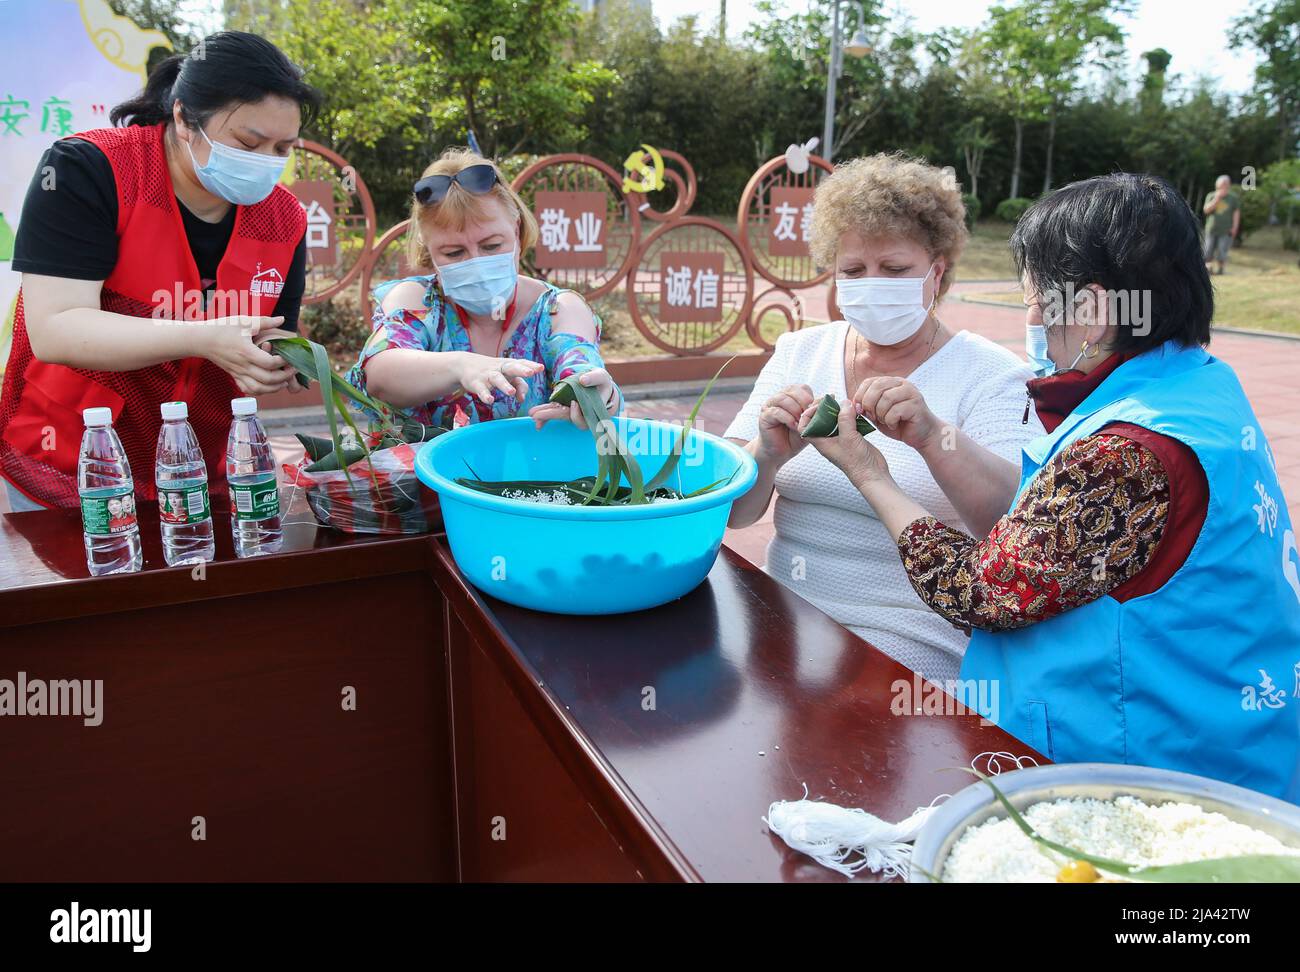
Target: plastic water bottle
182, 480
107, 498
254, 494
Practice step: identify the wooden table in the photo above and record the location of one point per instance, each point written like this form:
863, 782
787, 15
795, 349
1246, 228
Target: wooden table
487, 742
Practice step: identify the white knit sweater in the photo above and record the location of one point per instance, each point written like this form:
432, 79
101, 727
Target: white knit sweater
829, 546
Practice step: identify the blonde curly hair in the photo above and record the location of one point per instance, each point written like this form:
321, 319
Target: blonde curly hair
460, 206
890, 194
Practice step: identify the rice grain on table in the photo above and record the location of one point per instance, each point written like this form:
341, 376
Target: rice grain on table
1124, 829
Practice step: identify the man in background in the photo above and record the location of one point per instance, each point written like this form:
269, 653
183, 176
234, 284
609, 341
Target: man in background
1222, 221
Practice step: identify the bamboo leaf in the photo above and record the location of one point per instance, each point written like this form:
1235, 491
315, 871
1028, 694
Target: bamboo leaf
675, 454
1247, 869
825, 421
314, 446
562, 393
321, 366
347, 417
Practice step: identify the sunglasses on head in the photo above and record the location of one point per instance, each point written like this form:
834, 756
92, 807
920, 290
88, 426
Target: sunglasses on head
477, 179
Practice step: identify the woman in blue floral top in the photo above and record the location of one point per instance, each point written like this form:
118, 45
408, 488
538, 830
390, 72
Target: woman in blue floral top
475, 339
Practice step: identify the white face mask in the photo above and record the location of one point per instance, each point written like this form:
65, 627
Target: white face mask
884, 310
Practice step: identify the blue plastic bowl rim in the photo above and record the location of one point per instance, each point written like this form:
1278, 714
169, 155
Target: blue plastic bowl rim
743, 480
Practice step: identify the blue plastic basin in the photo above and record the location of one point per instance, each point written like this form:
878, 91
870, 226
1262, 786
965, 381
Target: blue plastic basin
573, 559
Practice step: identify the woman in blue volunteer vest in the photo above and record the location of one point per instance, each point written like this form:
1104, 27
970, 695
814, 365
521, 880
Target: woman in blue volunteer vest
175, 213
1140, 601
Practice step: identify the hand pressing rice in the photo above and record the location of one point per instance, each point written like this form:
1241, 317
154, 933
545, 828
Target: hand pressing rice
1125, 829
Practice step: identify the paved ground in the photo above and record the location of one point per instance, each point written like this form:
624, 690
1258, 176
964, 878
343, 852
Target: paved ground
1269, 369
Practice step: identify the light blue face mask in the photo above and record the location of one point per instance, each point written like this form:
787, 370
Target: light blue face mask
237, 175
483, 285
1036, 351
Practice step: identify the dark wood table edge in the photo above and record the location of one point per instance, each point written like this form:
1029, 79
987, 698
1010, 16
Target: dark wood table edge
619, 809
165, 586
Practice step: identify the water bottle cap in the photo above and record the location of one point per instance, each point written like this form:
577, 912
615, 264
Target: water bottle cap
95, 417
243, 406
175, 410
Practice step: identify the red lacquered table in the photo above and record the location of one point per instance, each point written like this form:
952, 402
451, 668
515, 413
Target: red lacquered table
487, 742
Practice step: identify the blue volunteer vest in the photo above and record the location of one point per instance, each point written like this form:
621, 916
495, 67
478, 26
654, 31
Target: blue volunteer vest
1202, 675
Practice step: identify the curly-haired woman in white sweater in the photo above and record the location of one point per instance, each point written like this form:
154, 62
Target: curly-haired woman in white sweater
893, 228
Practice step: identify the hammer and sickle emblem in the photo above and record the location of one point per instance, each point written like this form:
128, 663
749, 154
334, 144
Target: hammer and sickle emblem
652, 173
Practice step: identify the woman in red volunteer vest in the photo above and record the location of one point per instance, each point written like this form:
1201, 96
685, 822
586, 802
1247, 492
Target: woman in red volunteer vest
157, 258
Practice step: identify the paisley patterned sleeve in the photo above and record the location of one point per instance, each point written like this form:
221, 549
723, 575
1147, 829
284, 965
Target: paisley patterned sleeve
1089, 522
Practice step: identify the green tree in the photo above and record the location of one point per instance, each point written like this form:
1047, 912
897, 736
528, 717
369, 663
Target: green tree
167, 16
797, 48
1006, 55
975, 140
1153, 83
1074, 30
500, 68
1273, 29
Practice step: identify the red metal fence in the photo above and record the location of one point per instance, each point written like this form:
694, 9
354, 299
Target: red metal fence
691, 283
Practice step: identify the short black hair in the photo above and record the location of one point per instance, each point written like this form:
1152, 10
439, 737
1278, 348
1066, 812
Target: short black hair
1127, 232
227, 69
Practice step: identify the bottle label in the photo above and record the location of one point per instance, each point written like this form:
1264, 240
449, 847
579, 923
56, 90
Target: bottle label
109, 513
255, 501
183, 504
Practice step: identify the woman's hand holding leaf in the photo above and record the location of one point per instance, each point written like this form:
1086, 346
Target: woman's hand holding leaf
778, 425
597, 378
898, 409
236, 345
849, 450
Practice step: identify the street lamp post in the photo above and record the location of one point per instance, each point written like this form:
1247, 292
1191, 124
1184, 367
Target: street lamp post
858, 46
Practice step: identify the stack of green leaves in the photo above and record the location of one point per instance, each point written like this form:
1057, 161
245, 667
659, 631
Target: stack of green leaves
614, 462
826, 421
311, 361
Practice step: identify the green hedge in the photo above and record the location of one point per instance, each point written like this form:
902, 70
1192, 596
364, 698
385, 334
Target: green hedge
1010, 210
972, 209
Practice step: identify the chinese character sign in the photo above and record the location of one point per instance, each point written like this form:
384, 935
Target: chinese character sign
690, 287
571, 229
791, 216
317, 199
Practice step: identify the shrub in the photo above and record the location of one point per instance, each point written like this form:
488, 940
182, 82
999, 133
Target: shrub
337, 323
972, 209
1010, 210
1254, 212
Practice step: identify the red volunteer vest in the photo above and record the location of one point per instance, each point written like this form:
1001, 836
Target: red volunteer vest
155, 277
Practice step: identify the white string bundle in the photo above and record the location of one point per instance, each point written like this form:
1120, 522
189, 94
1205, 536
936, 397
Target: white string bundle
831, 834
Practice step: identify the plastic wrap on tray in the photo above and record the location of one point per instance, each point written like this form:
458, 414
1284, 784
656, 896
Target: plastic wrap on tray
383, 496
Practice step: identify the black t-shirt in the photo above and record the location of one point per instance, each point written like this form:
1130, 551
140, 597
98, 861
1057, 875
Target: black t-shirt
70, 228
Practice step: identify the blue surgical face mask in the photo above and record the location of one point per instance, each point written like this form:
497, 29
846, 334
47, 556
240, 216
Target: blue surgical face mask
237, 175
1036, 351
483, 285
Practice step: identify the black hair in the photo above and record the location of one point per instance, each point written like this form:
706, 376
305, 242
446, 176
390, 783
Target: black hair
1128, 233
226, 69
